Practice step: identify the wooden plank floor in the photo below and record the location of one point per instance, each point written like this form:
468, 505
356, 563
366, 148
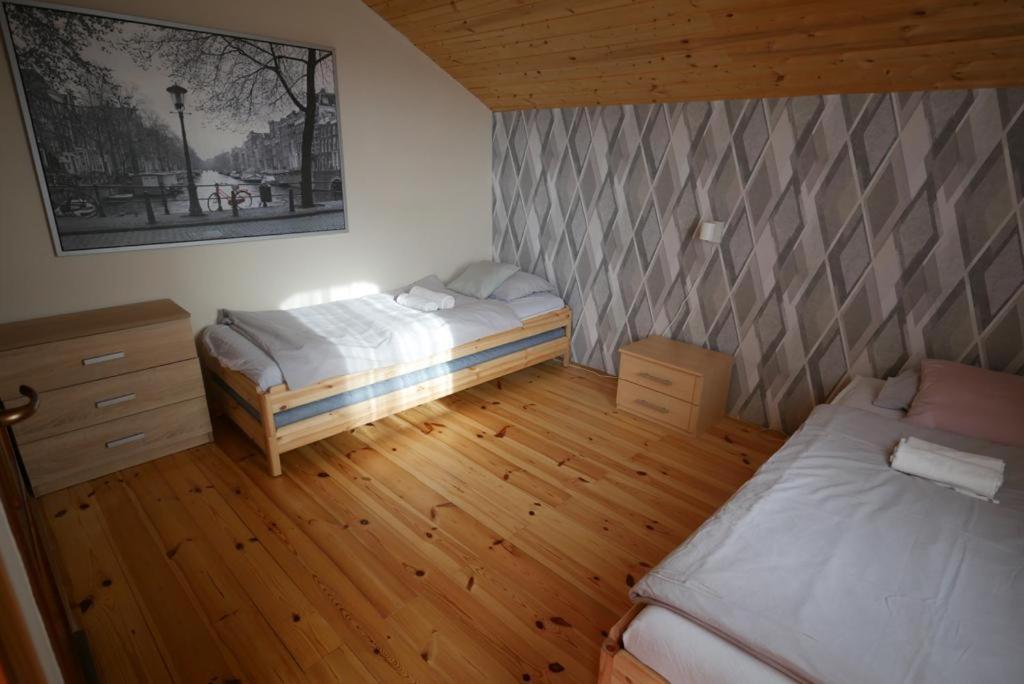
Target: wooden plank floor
489, 536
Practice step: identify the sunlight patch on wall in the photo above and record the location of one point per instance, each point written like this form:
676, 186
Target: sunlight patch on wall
329, 294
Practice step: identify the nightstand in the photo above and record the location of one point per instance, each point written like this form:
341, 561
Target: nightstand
673, 383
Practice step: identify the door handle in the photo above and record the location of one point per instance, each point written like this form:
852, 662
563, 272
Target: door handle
20, 413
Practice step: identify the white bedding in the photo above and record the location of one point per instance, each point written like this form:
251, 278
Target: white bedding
861, 393
833, 567
536, 304
682, 651
313, 343
238, 353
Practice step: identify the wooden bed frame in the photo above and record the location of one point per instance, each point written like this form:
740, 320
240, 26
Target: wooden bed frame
619, 666
273, 441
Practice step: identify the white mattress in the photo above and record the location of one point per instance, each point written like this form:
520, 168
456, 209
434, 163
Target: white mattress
238, 353
683, 651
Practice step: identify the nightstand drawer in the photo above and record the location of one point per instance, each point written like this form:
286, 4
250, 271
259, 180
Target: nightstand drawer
91, 403
670, 381
654, 405
81, 455
84, 359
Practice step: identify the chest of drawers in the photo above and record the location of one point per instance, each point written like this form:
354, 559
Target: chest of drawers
677, 384
117, 387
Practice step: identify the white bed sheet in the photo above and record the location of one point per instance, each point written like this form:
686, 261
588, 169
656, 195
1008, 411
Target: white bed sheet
682, 651
939, 601
238, 353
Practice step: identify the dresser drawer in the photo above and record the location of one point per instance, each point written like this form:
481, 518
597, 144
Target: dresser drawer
654, 405
91, 403
83, 359
81, 455
671, 381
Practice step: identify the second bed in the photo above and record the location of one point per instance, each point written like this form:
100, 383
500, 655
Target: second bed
830, 566
286, 401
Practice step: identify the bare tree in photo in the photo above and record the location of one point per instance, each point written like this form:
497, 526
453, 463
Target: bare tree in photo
241, 78
59, 61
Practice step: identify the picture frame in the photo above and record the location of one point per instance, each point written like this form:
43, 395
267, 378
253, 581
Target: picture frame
147, 134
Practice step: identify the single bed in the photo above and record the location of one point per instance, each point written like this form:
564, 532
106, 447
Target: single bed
282, 399
829, 566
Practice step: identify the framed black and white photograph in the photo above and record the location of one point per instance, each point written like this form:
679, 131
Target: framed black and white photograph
148, 134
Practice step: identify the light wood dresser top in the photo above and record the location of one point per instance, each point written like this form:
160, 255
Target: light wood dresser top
84, 323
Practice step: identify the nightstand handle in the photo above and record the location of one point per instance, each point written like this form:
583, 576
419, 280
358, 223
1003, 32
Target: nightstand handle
655, 378
126, 440
112, 401
653, 407
102, 358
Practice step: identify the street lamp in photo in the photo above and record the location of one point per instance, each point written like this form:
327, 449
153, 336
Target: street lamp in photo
178, 98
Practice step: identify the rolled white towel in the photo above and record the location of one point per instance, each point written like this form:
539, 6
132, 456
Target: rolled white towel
973, 474
415, 302
444, 301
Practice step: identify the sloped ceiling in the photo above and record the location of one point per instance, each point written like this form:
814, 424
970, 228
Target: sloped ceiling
516, 54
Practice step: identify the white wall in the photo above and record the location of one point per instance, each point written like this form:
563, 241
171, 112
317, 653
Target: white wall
417, 173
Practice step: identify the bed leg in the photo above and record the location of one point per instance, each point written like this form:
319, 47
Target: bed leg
270, 448
567, 356
606, 662
273, 461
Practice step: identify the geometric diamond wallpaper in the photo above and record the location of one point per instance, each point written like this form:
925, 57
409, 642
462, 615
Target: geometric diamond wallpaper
863, 232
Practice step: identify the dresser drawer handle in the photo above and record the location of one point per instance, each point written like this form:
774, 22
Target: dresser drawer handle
102, 358
113, 401
113, 444
655, 378
653, 407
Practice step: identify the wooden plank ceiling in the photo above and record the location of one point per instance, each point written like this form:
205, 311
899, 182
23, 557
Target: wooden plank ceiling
516, 54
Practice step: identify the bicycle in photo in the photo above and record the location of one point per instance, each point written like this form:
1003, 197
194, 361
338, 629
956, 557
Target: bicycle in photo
73, 203
219, 199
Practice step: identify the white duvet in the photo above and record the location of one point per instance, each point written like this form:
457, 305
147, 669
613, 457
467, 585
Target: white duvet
317, 342
833, 567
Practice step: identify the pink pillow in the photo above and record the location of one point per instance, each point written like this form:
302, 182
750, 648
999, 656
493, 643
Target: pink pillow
970, 401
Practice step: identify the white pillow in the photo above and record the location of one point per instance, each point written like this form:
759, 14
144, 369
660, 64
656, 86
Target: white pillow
521, 284
482, 278
430, 282
898, 392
